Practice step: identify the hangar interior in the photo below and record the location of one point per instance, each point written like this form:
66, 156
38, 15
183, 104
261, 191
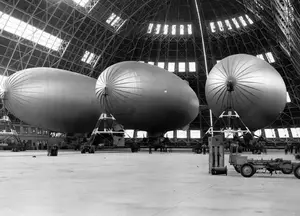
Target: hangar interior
187, 38
87, 36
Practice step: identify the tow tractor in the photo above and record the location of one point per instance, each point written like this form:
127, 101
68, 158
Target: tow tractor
248, 167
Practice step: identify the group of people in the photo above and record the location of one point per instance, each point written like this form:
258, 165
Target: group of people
290, 147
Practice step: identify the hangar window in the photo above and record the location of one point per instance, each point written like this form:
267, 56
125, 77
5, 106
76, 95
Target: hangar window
169, 134
151, 63
283, 132
228, 24
115, 21
173, 29
237, 25
181, 29
257, 133
157, 30
166, 28
212, 27
270, 57
161, 64
295, 132
240, 133
171, 66
260, 56
243, 21
129, 133
29, 32
192, 66
220, 24
141, 134
189, 29
288, 99
181, 66
150, 27
81, 3
249, 19
181, 134
195, 134
270, 133
88, 57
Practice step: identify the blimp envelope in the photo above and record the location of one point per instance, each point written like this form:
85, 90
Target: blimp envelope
146, 97
259, 92
53, 99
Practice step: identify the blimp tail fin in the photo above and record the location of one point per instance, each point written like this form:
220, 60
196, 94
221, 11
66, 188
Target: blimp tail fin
186, 127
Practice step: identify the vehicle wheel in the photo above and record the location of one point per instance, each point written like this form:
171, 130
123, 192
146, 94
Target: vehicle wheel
287, 168
297, 171
237, 168
247, 170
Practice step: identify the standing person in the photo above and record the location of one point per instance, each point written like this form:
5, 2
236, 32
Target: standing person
286, 148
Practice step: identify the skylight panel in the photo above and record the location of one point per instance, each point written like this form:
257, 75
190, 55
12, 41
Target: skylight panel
88, 57
270, 133
169, 134
235, 23
181, 134
243, 21
173, 29
151, 63
111, 18
260, 56
157, 28
81, 3
189, 29
295, 132
195, 134
288, 98
181, 66
283, 133
249, 19
270, 57
192, 66
171, 66
257, 133
181, 29
141, 134
116, 20
85, 56
166, 28
212, 27
29, 32
220, 24
150, 27
228, 24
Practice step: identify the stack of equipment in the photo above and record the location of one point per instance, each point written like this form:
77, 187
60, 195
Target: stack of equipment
216, 155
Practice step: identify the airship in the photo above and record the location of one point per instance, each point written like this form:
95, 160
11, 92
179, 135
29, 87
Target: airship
145, 97
258, 92
53, 99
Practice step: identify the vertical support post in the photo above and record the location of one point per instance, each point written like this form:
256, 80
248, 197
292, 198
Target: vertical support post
205, 60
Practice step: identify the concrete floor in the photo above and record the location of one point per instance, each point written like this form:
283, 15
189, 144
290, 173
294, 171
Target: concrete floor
137, 184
